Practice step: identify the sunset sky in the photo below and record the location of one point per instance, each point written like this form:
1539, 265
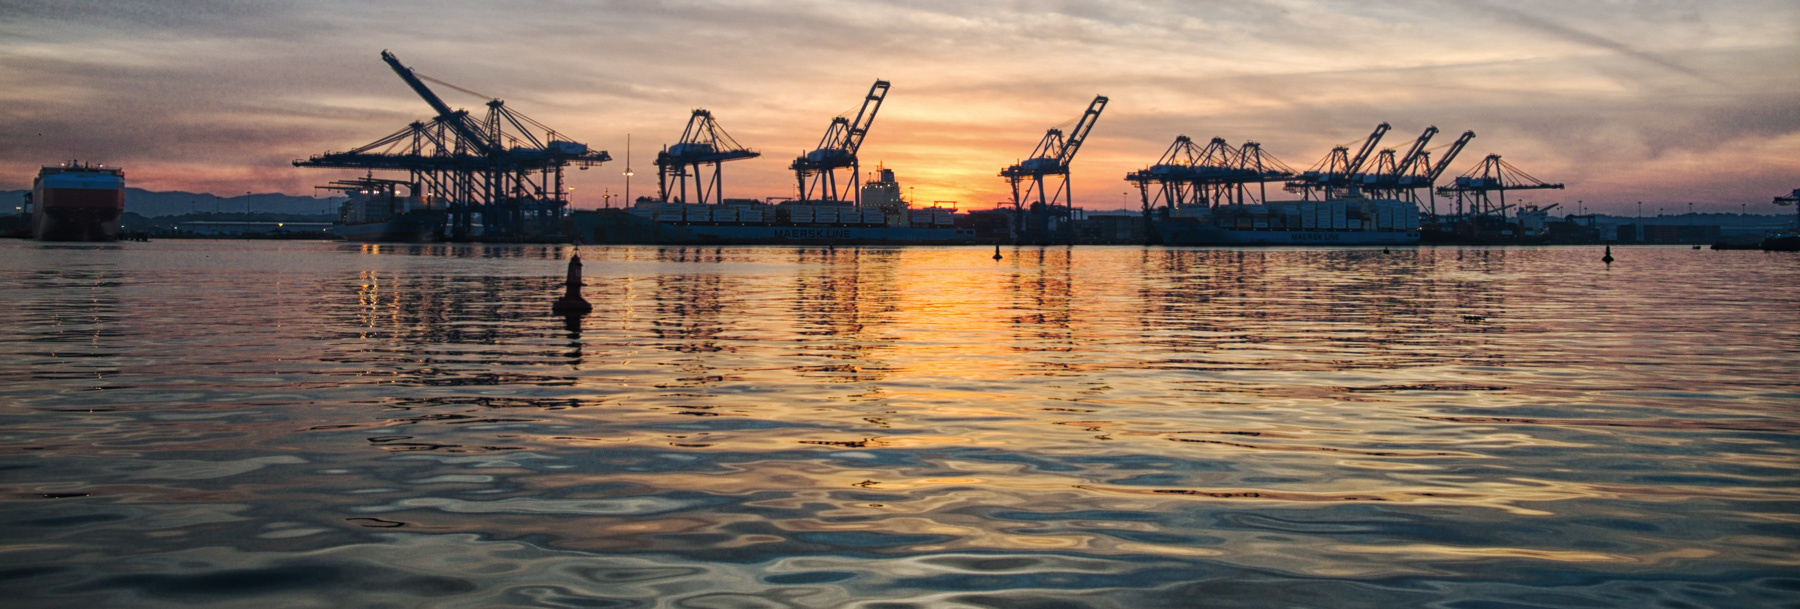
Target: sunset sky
1664, 102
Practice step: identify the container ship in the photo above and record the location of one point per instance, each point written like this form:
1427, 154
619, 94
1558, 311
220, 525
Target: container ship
1347, 221
77, 202
883, 218
377, 211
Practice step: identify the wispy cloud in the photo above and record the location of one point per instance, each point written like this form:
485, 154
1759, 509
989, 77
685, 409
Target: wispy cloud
197, 94
1574, 35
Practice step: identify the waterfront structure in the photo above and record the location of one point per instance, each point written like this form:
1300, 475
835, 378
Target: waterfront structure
1051, 213
704, 146
816, 170
503, 172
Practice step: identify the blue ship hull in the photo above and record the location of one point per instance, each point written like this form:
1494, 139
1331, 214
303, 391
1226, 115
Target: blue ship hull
1174, 232
619, 228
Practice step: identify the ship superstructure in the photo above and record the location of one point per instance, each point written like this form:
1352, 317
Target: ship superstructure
392, 211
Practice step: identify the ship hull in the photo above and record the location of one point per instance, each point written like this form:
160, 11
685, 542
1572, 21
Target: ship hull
1201, 233
627, 229
411, 228
51, 227
77, 205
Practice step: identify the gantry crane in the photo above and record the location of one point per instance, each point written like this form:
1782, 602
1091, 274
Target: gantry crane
1794, 200
816, 171
1050, 158
505, 167
1335, 174
1400, 178
1189, 175
702, 144
1475, 208
1429, 177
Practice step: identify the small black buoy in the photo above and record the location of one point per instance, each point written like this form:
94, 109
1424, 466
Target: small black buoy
997, 255
572, 302
1608, 257
1384, 250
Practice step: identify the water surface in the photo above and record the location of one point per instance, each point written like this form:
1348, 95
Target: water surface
266, 424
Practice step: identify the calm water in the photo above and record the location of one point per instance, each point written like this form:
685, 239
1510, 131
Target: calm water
245, 424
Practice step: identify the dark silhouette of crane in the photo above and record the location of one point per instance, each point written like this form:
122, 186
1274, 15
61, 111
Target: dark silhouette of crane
703, 144
1793, 199
1477, 210
816, 171
1401, 177
1191, 175
1335, 175
1050, 158
505, 166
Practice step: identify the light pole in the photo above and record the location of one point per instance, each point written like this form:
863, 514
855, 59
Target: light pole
628, 169
1640, 222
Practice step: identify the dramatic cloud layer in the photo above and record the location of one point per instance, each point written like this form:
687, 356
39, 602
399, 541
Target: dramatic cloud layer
1661, 102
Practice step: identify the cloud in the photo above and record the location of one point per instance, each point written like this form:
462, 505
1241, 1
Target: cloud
1570, 34
215, 95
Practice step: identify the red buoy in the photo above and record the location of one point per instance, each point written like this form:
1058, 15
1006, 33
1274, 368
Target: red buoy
572, 302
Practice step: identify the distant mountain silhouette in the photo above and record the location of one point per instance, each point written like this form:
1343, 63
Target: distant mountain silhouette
152, 204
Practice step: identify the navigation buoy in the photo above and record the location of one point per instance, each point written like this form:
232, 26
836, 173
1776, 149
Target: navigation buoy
1608, 257
572, 302
997, 255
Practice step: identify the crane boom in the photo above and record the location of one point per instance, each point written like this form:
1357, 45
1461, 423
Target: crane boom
1444, 163
1362, 156
865, 117
1413, 156
1080, 132
457, 119
815, 171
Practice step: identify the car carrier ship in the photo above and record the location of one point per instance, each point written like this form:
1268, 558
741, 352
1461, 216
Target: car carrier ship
77, 202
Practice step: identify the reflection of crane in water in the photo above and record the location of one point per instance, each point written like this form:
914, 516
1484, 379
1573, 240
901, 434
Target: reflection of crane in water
702, 144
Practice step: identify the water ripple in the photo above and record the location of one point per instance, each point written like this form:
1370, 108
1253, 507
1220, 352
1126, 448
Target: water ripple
197, 423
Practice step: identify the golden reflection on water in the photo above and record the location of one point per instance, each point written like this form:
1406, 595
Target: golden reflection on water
1450, 415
